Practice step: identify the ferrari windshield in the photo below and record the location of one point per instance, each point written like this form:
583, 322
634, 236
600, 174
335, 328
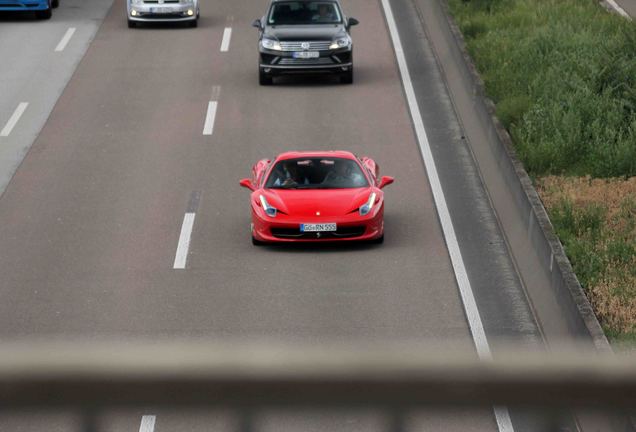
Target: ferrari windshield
304, 12
316, 173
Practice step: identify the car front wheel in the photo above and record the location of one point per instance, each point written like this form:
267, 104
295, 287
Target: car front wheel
347, 77
378, 240
44, 14
264, 79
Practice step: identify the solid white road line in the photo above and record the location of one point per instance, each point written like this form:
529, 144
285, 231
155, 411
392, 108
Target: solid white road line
147, 423
181, 256
208, 128
227, 36
475, 323
618, 9
6, 131
65, 39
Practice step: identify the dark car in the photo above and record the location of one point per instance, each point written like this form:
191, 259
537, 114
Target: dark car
305, 36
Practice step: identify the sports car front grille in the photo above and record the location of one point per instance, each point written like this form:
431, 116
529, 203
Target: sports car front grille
298, 45
341, 232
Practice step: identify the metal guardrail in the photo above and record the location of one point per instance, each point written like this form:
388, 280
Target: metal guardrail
93, 378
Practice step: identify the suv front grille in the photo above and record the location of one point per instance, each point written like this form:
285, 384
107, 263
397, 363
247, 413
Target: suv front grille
288, 61
313, 46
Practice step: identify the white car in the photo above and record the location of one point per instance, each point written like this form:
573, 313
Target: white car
140, 11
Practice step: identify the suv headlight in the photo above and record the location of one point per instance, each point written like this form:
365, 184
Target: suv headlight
366, 208
269, 210
343, 42
270, 44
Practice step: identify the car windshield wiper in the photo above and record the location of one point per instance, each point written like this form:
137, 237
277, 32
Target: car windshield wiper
291, 186
335, 187
310, 186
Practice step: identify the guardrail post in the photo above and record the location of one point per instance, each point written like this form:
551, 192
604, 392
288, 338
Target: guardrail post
89, 421
397, 421
246, 423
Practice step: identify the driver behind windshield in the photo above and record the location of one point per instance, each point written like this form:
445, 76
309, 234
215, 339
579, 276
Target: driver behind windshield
290, 175
325, 14
304, 12
318, 173
342, 175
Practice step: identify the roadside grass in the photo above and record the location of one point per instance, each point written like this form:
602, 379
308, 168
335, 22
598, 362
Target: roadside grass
596, 222
562, 74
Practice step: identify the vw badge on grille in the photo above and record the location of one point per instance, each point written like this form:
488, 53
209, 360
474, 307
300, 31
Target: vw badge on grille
305, 45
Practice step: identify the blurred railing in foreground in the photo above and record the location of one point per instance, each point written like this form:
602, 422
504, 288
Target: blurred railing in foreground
247, 378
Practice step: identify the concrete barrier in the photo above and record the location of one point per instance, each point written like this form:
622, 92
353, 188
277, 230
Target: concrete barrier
537, 237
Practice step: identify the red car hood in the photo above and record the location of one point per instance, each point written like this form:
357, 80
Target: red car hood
309, 202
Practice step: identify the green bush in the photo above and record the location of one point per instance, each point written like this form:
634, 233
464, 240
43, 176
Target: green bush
563, 76
511, 110
581, 232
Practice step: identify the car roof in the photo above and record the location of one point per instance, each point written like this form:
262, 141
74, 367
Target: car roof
302, 154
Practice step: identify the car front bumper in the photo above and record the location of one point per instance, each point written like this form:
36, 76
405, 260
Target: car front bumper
283, 62
162, 12
283, 229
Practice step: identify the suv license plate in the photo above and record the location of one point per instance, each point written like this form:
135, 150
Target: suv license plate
324, 227
306, 54
159, 10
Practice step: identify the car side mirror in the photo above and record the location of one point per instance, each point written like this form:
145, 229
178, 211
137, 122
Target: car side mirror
352, 22
247, 183
257, 24
385, 181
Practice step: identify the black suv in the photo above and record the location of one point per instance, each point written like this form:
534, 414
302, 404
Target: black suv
308, 36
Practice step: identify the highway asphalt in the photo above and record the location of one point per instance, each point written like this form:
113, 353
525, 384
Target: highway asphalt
91, 221
38, 59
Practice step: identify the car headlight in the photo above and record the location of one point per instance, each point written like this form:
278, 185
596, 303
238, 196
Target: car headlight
344, 42
270, 44
269, 210
137, 2
366, 208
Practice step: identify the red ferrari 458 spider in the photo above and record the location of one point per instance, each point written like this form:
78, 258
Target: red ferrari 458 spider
315, 197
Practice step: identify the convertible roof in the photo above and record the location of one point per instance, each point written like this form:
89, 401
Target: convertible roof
301, 154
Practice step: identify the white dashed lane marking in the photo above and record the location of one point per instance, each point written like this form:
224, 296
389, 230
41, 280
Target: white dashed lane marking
227, 36
183, 247
147, 423
65, 39
6, 131
208, 128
